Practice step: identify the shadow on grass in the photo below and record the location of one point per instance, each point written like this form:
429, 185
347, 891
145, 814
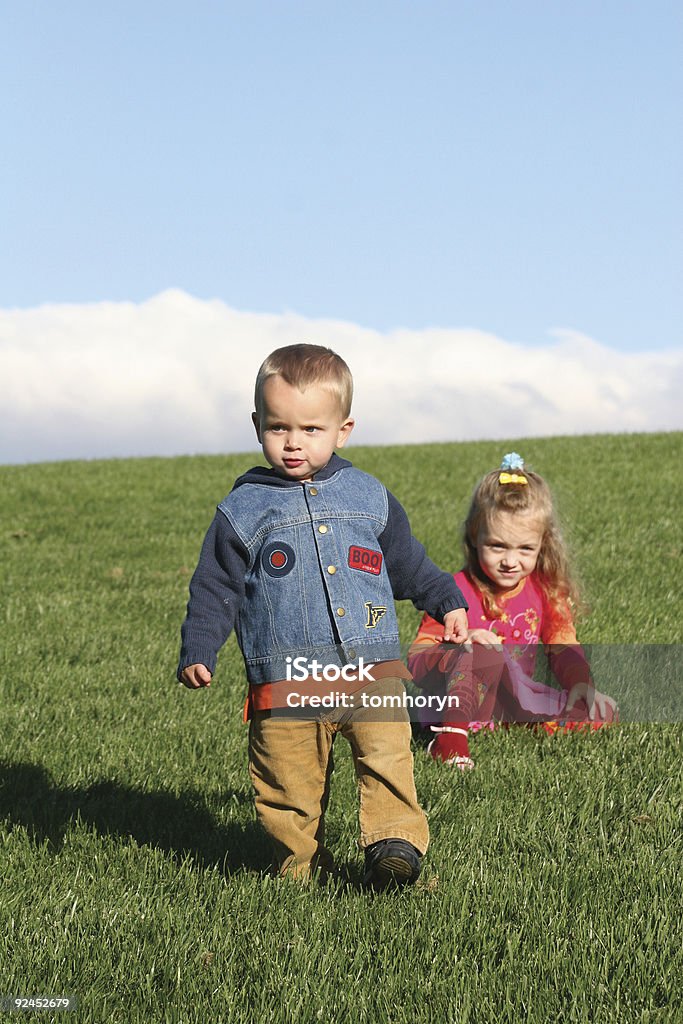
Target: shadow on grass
179, 825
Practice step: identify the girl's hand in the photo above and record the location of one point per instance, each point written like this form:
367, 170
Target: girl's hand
597, 702
485, 637
455, 627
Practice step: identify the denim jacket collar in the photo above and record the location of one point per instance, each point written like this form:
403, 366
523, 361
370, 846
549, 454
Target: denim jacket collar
267, 475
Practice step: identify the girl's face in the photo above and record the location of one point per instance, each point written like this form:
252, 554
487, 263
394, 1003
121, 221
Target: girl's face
508, 548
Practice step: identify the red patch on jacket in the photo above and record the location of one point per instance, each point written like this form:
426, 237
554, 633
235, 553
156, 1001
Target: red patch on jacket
366, 560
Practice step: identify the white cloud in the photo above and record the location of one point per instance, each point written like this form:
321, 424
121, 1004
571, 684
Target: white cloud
175, 375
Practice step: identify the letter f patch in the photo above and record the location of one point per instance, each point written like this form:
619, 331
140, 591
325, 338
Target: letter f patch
375, 613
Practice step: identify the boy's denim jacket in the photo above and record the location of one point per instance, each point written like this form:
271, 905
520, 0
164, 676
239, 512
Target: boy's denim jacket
308, 571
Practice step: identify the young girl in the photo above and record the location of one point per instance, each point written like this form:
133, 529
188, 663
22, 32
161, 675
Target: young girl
520, 592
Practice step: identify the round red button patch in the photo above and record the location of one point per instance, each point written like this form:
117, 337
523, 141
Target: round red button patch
278, 559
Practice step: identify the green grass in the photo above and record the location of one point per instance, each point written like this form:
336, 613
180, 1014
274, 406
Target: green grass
132, 872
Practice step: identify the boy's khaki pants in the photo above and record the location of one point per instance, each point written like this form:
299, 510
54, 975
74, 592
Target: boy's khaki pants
290, 763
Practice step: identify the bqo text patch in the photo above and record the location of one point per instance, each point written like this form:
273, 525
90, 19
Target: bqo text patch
278, 559
366, 560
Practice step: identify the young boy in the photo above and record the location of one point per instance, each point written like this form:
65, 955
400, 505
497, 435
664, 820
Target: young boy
304, 559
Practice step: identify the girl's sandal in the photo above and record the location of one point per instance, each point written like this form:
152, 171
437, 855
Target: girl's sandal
463, 764
459, 761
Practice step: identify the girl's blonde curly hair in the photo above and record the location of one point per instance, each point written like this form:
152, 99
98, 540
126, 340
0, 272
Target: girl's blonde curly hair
504, 491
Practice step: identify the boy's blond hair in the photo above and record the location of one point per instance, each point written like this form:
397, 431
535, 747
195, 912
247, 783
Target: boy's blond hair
303, 365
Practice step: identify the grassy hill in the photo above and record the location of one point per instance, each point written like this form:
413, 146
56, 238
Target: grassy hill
132, 873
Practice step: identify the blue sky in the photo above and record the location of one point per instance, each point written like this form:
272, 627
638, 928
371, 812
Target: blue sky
479, 200
508, 167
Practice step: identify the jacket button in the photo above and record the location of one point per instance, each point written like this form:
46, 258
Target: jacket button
322, 529
341, 611
332, 569
351, 653
313, 491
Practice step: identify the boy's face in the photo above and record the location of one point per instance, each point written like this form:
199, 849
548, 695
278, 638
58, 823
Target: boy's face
299, 430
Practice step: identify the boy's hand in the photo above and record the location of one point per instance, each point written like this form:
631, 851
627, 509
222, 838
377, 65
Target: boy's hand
455, 627
195, 676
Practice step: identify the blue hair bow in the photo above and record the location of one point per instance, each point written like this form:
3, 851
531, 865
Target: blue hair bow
513, 460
